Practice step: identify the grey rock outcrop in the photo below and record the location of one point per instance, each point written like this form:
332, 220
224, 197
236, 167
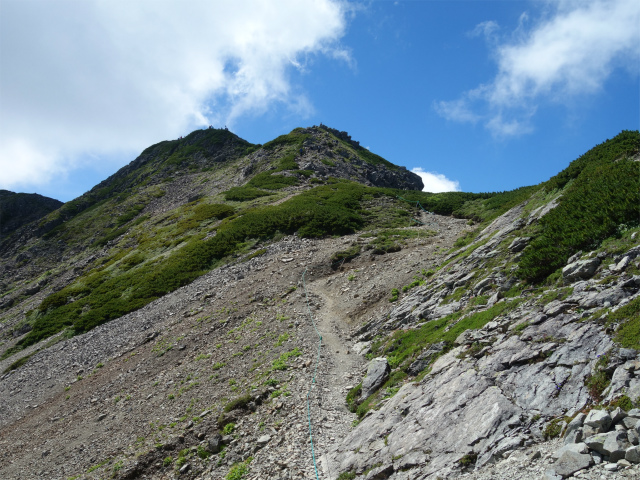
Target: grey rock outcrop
377, 373
580, 270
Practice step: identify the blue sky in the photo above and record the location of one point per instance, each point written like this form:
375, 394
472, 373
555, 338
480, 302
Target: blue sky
482, 95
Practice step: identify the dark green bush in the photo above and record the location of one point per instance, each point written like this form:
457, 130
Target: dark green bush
272, 182
589, 211
206, 211
243, 194
345, 255
237, 403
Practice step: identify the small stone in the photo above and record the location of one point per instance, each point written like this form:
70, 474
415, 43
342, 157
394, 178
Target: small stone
101, 417
535, 455
611, 467
377, 373
597, 457
624, 463
263, 440
214, 444
184, 468
574, 436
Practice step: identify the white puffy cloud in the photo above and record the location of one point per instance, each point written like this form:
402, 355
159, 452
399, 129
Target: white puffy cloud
80, 79
436, 182
571, 51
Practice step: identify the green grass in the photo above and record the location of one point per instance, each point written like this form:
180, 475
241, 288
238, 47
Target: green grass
628, 319
239, 470
281, 363
404, 345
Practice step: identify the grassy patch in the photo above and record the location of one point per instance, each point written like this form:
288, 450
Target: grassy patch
239, 470
345, 255
404, 345
18, 363
282, 362
628, 320
272, 182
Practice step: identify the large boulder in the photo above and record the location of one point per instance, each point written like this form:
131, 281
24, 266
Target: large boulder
570, 462
377, 373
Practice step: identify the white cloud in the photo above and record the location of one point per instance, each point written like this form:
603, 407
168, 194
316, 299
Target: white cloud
485, 29
79, 79
436, 182
570, 52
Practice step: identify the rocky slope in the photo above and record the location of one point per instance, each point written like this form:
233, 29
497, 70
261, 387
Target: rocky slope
519, 359
380, 341
172, 181
136, 391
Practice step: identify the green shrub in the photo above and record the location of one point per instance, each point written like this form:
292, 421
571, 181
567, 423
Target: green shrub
239, 470
395, 293
623, 402
352, 397
346, 476
281, 362
553, 428
468, 459
345, 255
598, 382
271, 182
243, 194
207, 211
240, 402
604, 193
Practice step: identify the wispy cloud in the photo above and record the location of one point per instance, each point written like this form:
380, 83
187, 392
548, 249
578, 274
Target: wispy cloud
570, 52
86, 78
436, 182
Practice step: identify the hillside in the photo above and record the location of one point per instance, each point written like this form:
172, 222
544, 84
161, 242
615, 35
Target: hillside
18, 209
176, 327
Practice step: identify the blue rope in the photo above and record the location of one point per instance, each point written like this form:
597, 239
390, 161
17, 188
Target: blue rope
417, 204
313, 379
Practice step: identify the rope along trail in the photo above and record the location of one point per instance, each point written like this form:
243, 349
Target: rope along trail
417, 204
315, 370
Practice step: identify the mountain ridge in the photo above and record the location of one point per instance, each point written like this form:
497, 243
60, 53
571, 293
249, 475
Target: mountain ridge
210, 378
